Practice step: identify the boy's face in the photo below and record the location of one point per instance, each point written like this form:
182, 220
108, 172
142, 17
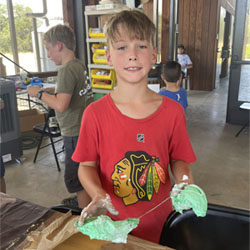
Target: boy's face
131, 59
53, 52
180, 50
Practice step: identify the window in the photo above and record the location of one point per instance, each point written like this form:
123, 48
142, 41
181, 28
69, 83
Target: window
30, 20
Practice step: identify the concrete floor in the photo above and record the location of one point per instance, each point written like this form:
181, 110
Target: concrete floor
221, 169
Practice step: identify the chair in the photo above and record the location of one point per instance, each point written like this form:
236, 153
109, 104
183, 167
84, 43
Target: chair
222, 228
244, 106
186, 82
46, 130
66, 208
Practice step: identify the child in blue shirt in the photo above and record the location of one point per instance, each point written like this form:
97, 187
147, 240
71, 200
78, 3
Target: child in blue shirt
171, 75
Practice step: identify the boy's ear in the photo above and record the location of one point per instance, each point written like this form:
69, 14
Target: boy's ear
162, 77
154, 58
108, 56
59, 45
180, 78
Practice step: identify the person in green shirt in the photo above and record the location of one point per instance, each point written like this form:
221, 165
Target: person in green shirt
72, 95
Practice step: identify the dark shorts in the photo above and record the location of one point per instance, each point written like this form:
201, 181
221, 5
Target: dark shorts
2, 168
71, 168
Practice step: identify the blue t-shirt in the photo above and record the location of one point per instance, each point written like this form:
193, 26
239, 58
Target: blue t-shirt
179, 96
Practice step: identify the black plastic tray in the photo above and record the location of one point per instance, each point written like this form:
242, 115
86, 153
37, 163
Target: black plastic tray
223, 228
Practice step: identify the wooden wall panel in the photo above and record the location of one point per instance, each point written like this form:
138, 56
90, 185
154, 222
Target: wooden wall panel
68, 13
192, 32
181, 14
93, 22
212, 45
201, 83
197, 45
185, 23
198, 28
192, 26
197, 31
165, 31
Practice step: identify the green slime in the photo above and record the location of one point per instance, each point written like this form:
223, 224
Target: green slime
193, 197
104, 228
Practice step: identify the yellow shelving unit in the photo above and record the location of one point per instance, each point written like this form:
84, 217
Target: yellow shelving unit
96, 54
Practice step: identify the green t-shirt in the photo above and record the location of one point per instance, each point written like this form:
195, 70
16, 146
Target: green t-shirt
72, 78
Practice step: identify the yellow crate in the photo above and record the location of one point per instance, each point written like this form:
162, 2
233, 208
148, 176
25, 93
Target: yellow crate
100, 58
110, 76
93, 33
99, 48
102, 84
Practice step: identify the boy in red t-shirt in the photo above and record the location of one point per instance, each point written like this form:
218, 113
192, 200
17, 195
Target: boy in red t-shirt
129, 137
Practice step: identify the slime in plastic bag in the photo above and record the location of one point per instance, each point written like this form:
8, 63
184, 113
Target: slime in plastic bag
104, 228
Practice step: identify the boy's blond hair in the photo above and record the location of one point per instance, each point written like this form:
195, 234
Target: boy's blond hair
61, 33
136, 23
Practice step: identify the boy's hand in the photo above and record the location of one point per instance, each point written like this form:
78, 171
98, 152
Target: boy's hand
177, 188
49, 90
33, 90
99, 205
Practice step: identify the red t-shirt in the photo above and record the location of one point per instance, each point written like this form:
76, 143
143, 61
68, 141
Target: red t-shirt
133, 157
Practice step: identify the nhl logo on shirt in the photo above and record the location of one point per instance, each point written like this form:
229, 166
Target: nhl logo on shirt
140, 137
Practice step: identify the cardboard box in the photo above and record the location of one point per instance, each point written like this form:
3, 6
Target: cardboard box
29, 118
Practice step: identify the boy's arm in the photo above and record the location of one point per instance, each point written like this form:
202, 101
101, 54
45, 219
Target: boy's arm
90, 180
49, 90
189, 66
59, 102
181, 172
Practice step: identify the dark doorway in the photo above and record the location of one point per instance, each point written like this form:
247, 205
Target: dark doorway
239, 83
224, 44
227, 46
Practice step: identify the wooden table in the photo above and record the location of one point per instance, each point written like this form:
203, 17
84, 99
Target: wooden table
41, 225
79, 241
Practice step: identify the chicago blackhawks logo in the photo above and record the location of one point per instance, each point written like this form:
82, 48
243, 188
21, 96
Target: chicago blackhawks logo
136, 177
